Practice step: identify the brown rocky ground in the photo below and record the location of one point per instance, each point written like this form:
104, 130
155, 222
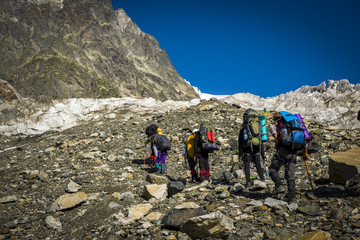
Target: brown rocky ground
106, 161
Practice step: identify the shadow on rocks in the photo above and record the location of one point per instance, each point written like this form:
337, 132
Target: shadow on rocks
327, 189
254, 195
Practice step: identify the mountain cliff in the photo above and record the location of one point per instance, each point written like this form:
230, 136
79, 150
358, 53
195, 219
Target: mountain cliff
57, 49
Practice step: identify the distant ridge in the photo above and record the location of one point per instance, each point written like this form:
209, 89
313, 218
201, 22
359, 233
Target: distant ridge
334, 102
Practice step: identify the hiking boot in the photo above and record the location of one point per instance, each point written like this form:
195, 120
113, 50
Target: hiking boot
195, 179
202, 178
278, 190
248, 185
289, 198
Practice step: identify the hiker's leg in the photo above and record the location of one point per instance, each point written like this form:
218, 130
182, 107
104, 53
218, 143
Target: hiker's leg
202, 167
246, 159
290, 178
274, 171
157, 166
259, 169
206, 165
160, 162
192, 166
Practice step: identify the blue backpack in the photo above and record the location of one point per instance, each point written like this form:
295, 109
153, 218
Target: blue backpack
291, 133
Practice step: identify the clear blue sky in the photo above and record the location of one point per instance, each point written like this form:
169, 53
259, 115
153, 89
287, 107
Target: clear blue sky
265, 47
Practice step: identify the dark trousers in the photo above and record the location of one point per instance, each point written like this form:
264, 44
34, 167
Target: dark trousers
192, 165
276, 163
255, 157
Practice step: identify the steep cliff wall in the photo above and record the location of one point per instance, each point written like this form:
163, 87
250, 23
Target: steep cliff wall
55, 49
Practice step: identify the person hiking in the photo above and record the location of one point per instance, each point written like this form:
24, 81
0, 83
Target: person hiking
285, 155
190, 155
250, 146
204, 144
160, 146
149, 131
358, 117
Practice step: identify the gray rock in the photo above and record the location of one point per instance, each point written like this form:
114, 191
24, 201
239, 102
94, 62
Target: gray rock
213, 225
177, 217
8, 199
255, 203
72, 187
128, 151
155, 191
114, 205
157, 179
67, 201
53, 222
293, 207
309, 209
337, 214
228, 176
175, 187
272, 202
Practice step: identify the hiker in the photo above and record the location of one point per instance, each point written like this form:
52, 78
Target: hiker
189, 152
151, 130
250, 146
286, 152
358, 118
204, 144
160, 146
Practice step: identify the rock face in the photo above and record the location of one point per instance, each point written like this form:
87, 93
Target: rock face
334, 102
57, 49
344, 165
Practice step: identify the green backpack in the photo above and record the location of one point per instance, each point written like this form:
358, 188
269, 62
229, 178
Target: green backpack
252, 128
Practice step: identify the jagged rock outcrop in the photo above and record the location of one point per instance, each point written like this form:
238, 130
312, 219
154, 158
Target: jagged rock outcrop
334, 102
57, 49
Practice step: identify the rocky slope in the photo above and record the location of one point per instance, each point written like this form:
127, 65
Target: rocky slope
103, 163
334, 102
58, 49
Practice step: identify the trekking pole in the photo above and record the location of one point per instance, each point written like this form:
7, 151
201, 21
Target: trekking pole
306, 156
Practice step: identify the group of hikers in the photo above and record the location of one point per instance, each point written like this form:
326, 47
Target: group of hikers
289, 131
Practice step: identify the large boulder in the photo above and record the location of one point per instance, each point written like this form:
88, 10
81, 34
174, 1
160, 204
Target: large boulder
175, 187
157, 191
213, 225
177, 217
344, 165
67, 201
